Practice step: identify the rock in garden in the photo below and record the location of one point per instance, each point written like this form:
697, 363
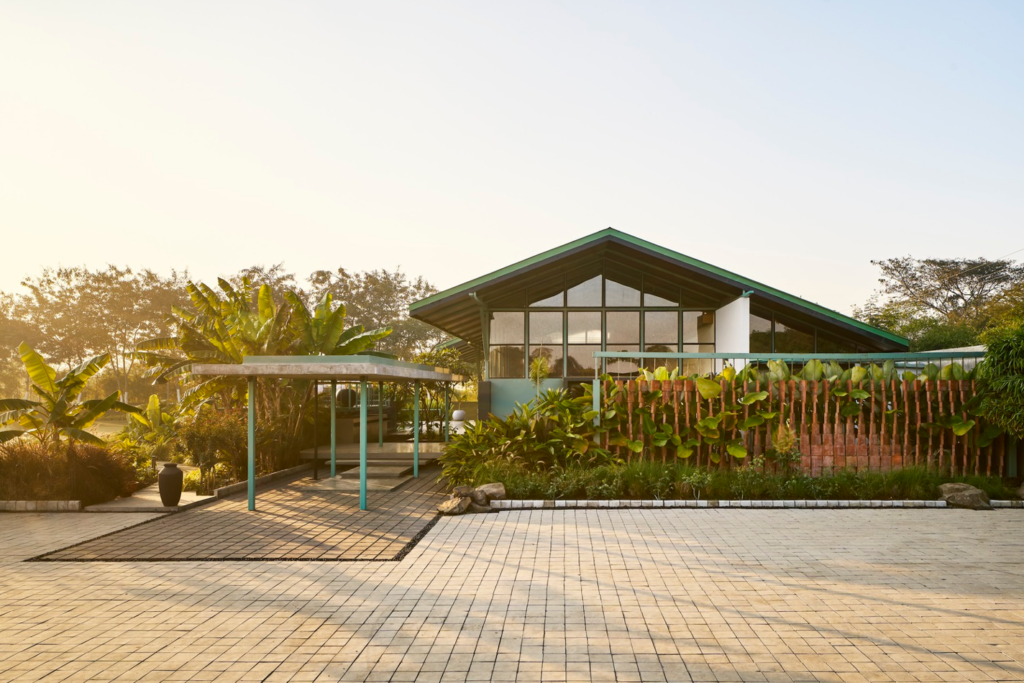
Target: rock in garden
454, 506
964, 496
473, 507
462, 491
493, 491
478, 497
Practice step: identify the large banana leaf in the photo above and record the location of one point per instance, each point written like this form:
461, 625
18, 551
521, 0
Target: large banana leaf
82, 435
39, 372
158, 344
359, 342
265, 301
301, 324
333, 328
153, 410
17, 404
73, 382
9, 434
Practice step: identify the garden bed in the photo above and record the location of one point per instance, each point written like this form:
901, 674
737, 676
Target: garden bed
748, 504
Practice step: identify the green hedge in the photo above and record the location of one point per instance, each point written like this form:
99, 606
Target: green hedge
648, 480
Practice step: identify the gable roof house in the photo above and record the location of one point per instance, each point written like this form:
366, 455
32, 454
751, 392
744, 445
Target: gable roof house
611, 291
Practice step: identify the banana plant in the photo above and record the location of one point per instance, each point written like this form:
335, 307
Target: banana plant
60, 411
151, 425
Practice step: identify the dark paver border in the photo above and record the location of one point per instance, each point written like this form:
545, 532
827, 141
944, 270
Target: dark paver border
399, 556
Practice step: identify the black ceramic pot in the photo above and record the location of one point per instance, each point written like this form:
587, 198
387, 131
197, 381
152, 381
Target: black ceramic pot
170, 480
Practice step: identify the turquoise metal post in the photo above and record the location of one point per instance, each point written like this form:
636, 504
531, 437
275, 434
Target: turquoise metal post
416, 429
380, 414
252, 443
334, 428
447, 413
362, 443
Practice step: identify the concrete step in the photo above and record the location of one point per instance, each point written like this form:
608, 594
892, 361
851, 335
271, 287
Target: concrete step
378, 472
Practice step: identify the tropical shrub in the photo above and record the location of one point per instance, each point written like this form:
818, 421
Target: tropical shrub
219, 475
35, 470
59, 413
215, 438
554, 430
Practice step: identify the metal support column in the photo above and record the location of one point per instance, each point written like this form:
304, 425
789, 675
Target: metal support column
380, 414
252, 443
447, 412
362, 442
316, 437
597, 402
416, 429
334, 428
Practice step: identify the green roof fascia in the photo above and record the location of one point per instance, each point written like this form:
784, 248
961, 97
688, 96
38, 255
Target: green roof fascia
661, 251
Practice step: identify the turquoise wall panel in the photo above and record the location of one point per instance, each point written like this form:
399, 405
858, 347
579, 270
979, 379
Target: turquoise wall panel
505, 393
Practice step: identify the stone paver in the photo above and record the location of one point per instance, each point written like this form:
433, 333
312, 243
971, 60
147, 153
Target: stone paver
295, 520
547, 595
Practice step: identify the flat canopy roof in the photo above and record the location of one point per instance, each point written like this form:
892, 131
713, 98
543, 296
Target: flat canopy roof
346, 368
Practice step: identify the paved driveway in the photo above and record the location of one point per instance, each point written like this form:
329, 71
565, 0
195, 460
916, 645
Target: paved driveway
677, 595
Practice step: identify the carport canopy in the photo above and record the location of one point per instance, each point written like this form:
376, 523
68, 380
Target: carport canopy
362, 369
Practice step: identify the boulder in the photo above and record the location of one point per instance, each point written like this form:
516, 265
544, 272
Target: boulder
964, 496
454, 506
462, 491
492, 491
473, 507
478, 497
1020, 492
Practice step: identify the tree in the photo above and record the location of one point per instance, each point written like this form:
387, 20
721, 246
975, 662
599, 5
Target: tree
60, 410
73, 313
943, 303
13, 330
57, 305
379, 298
955, 290
1001, 377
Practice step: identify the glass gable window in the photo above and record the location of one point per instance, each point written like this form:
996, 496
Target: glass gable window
827, 344
546, 340
760, 334
507, 353
790, 339
598, 305
661, 335
621, 288
622, 334
586, 293
657, 294
584, 339
548, 294
698, 328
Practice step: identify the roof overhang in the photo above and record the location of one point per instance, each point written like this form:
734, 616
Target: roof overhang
458, 310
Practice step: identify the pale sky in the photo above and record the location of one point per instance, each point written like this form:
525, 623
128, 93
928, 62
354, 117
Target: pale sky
791, 142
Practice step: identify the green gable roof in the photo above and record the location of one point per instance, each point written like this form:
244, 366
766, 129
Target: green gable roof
612, 235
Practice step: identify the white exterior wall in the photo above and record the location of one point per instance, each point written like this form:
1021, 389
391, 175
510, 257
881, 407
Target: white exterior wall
732, 330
